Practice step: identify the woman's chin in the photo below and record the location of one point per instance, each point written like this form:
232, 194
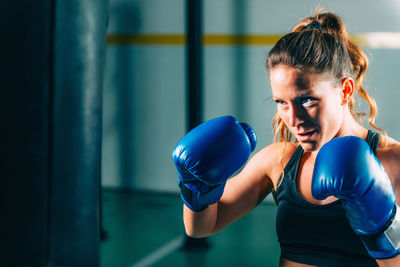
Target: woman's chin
309, 146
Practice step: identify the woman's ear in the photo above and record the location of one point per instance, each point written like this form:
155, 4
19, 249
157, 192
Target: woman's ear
347, 90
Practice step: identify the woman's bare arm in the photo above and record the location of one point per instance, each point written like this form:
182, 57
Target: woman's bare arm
390, 158
242, 194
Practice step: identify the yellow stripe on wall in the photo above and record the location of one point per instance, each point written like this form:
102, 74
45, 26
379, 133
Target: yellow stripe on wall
372, 40
180, 39
146, 39
219, 39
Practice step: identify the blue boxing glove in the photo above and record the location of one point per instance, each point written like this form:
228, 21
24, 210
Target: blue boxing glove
208, 155
347, 168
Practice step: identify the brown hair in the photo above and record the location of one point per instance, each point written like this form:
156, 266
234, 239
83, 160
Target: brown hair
330, 51
323, 50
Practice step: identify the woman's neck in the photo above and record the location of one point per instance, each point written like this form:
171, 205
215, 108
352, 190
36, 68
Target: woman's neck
351, 127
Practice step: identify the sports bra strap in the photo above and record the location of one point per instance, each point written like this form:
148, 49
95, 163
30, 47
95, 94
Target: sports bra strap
373, 140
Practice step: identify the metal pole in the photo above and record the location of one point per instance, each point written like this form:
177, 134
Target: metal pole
194, 55
194, 63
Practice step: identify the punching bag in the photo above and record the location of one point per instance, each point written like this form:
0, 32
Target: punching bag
52, 60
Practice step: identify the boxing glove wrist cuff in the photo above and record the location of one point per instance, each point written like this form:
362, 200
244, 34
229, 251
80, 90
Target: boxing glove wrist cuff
386, 243
198, 201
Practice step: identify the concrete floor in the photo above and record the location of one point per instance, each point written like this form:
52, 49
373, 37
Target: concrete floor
146, 229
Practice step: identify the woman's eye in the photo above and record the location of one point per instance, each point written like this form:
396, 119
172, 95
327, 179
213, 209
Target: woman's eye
279, 102
307, 101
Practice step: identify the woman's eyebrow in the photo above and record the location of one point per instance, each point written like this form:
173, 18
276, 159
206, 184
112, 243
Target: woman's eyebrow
301, 95
304, 94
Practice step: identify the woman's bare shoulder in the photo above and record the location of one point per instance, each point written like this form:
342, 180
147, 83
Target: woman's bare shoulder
389, 148
389, 154
275, 157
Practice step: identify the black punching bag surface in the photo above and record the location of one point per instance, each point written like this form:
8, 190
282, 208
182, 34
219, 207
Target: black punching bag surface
79, 46
50, 104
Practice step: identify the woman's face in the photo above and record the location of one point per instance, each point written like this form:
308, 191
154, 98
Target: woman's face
309, 105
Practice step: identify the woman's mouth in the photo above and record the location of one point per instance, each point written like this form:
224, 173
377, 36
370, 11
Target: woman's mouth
305, 136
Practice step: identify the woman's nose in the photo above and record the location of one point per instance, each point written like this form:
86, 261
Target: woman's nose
294, 116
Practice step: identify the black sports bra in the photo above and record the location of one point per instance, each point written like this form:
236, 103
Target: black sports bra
316, 234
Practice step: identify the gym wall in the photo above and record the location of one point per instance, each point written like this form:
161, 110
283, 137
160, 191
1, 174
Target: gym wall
144, 109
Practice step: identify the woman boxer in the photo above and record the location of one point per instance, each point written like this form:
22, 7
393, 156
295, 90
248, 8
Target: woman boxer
334, 181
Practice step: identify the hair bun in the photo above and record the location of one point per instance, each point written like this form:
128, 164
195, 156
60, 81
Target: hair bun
314, 25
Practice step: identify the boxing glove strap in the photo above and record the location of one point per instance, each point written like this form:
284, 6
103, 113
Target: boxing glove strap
385, 243
198, 201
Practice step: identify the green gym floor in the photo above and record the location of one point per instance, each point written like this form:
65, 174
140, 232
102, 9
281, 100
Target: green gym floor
146, 229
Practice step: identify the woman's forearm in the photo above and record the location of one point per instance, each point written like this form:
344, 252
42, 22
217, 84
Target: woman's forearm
200, 224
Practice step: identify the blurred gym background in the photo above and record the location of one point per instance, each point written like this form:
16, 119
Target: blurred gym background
96, 94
